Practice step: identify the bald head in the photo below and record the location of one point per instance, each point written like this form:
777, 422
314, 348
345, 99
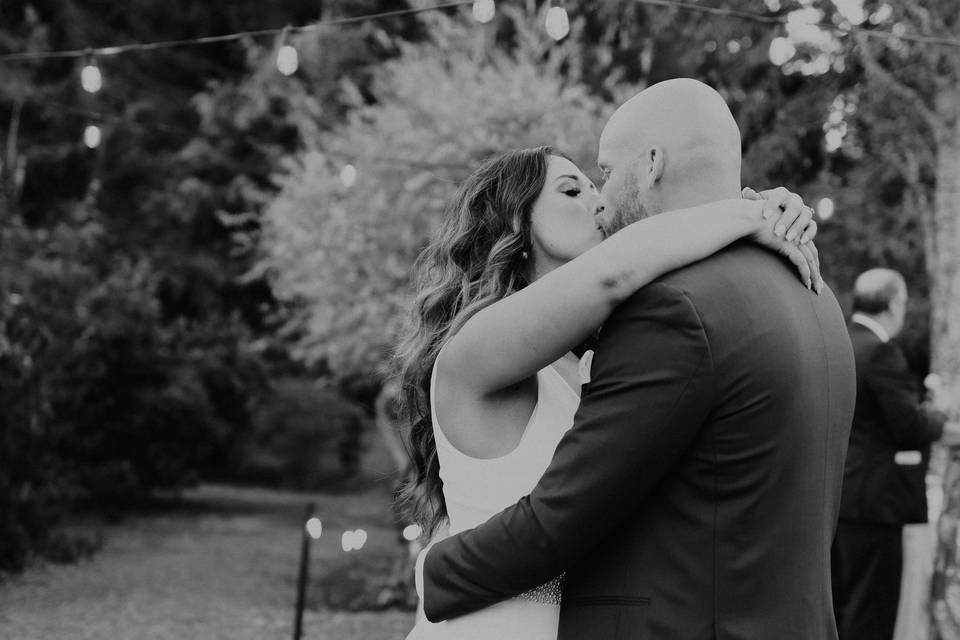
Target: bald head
679, 141
881, 294
875, 289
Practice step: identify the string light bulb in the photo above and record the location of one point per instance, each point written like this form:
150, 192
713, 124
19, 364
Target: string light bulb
90, 77
288, 61
359, 539
346, 541
314, 528
484, 10
825, 208
558, 22
92, 136
781, 51
353, 540
348, 176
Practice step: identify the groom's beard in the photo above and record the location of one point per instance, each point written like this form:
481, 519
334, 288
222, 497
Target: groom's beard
628, 208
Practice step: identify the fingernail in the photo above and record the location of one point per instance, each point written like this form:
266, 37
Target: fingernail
767, 213
791, 235
805, 239
778, 230
819, 287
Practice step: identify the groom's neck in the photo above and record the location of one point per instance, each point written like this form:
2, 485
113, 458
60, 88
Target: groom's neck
692, 195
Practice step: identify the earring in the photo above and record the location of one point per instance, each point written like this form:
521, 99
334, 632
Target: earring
524, 255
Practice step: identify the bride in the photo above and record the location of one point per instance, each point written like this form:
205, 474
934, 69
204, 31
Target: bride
518, 276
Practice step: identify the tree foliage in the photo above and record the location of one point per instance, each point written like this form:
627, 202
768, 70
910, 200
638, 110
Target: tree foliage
133, 356
340, 252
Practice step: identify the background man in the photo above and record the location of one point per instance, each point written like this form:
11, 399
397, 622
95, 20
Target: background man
884, 476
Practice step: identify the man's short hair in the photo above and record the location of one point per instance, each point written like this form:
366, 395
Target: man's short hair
875, 289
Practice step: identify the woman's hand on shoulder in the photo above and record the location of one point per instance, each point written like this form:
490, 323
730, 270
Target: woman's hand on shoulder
789, 230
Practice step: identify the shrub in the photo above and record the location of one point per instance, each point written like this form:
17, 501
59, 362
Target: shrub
305, 437
103, 401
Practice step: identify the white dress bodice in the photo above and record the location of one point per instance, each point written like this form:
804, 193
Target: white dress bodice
475, 489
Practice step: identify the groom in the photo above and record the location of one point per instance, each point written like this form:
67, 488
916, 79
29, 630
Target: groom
696, 495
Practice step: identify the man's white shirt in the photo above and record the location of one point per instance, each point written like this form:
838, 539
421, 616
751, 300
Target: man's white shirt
868, 322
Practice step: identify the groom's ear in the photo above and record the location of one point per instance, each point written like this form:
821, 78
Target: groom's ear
655, 165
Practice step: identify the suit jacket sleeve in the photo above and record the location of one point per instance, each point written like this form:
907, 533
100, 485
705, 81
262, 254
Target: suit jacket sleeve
888, 378
651, 391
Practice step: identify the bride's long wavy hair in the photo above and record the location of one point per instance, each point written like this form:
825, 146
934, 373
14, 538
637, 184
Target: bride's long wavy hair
479, 255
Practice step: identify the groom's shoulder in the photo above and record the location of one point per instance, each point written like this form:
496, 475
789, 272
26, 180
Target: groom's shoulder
743, 265
708, 284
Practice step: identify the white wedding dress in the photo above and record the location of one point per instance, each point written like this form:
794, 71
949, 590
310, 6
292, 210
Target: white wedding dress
475, 489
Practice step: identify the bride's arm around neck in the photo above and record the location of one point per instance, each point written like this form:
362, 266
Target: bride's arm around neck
515, 337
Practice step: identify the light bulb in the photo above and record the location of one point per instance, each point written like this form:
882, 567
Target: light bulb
287, 60
558, 23
348, 176
781, 51
825, 208
314, 528
347, 541
359, 539
833, 139
484, 10
92, 136
90, 77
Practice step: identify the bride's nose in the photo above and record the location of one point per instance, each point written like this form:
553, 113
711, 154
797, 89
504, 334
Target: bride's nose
594, 205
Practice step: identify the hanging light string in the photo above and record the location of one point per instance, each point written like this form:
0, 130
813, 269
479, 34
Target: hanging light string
228, 37
287, 58
557, 27
482, 9
90, 78
783, 20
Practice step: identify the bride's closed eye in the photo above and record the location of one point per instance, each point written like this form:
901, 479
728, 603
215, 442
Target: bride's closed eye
573, 192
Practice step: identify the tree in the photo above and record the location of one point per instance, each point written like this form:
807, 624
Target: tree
355, 210
930, 167
897, 157
126, 340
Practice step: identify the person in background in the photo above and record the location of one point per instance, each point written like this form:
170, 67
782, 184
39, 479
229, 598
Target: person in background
884, 476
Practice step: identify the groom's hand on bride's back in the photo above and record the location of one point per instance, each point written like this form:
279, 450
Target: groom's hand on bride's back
789, 231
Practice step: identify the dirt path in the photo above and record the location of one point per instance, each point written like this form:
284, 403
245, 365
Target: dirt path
221, 564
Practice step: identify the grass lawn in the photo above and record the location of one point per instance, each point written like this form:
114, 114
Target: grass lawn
219, 563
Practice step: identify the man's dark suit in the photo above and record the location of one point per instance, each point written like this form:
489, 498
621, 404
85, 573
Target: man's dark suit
879, 495
696, 495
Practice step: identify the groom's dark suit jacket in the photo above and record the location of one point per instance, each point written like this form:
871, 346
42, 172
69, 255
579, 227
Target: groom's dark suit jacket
696, 495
